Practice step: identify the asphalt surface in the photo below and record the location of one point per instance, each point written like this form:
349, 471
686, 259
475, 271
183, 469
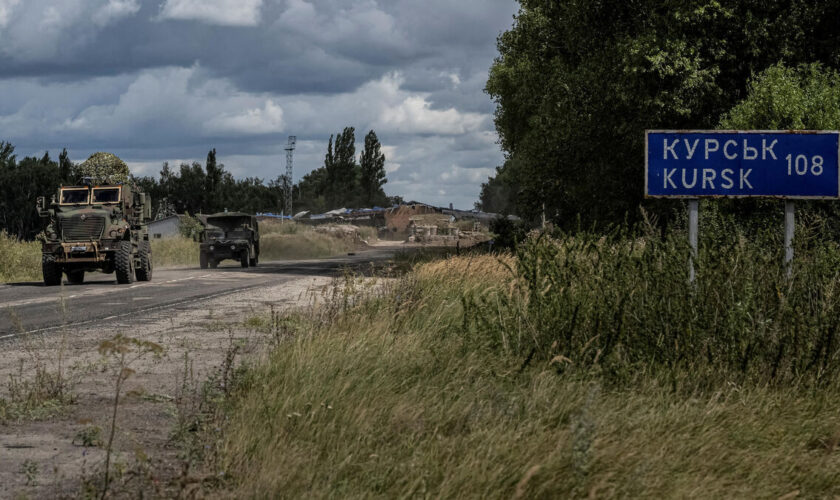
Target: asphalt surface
32, 307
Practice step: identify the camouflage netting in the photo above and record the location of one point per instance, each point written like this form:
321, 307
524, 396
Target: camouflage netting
105, 168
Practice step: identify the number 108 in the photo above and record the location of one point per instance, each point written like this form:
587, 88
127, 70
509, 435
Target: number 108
800, 165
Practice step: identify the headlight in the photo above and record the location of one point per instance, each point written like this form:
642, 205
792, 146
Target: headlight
212, 247
233, 247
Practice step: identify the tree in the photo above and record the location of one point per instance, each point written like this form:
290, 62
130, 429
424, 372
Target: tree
21, 182
213, 180
499, 192
372, 175
340, 166
781, 98
66, 169
577, 83
806, 97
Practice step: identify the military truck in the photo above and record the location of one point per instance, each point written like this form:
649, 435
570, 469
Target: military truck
230, 235
96, 228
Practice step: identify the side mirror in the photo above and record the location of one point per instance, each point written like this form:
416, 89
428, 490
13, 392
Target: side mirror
41, 206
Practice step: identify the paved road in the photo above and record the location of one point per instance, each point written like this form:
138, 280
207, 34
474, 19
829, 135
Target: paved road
32, 307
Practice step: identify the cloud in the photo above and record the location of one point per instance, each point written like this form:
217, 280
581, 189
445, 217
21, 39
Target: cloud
166, 104
43, 29
6, 9
265, 120
115, 9
218, 12
415, 115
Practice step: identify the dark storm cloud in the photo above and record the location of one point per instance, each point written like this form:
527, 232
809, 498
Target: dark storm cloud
164, 80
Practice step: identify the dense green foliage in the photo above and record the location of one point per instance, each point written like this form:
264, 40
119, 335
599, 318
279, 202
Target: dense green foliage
782, 98
372, 171
342, 182
209, 189
21, 182
577, 83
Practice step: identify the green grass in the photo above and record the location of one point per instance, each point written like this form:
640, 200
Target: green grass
581, 366
19, 261
174, 252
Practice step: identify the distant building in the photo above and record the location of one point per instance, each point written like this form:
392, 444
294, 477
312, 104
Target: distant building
168, 227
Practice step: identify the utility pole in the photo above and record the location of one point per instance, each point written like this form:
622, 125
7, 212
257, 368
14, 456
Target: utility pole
290, 152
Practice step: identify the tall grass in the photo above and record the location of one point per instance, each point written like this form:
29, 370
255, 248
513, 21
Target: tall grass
19, 260
175, 252
304, 245
281, 227
623, 303
580, 366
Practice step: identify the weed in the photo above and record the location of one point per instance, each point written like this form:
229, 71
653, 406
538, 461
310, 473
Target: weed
90, 435
123, 352
30, 469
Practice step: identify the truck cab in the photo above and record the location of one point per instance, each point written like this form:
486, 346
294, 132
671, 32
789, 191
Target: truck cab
230, 235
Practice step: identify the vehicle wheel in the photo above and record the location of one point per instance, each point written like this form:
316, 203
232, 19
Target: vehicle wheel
76, 277
243, 260
144, 272
51, 269
214, 263
253, 262
124, 263
202, 260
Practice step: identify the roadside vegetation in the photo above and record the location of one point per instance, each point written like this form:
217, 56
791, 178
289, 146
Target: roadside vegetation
19, 260
581, 365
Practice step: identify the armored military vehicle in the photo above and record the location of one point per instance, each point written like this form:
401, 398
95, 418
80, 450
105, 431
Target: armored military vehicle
230, 235
96, 228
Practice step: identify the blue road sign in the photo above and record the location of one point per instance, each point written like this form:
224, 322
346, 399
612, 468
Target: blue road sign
779, 164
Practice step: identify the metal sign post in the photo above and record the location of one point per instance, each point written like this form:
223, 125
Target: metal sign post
789, 229
693, 231
692, 164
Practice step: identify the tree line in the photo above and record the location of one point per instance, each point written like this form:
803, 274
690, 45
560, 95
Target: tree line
577, 83
341, 181
193, 188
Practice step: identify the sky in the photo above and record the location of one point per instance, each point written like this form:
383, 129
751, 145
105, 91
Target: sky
167, 80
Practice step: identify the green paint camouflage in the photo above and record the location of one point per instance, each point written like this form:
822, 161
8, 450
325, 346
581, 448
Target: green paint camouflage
105, 168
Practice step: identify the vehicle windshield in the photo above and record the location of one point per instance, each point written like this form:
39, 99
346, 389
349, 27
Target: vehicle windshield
75, 196
106, 195
213, 233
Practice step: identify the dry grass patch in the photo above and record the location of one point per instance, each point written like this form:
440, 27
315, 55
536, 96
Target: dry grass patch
174, 252
303, 245
19, 260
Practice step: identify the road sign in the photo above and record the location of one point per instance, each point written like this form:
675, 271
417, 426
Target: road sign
779, 164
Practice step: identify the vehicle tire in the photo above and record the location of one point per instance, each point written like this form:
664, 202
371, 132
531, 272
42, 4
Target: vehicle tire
144, 272
214, 263
51, 270
124, 263
202, 260
244, 260
76, 277
253, 262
